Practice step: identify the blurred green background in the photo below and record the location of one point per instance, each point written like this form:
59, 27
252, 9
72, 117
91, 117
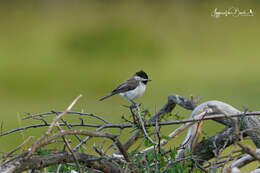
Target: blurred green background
52, 51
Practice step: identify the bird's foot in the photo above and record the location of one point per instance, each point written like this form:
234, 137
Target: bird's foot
135, 105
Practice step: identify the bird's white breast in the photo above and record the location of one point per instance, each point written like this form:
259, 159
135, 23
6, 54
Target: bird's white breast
137, 92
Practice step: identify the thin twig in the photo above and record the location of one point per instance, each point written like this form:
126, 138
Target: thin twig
143, 126
69, 127
71, 151
249, 151
38, 141
18, 147
86, 139
70, 112
129, 125
171, 135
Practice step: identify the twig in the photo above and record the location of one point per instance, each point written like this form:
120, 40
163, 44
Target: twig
85, 139
129, 125
244, 160
167, 108
157, 129
249, 151
88, 133
69, 127
38, 141
171, 135
58, 168
142, 124
71, 151
70, 112
18, 147
173, 163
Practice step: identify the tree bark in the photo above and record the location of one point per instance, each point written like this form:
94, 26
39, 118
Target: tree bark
39, 162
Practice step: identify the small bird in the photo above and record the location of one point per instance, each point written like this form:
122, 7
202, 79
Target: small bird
132, 88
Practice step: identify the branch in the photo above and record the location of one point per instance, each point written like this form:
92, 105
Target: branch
207, 148
249, 151
171, 135
40, 162
216, 117
143, 126
70, 112
36, 143
225, 114
71, 151
91, 134
167, 108
244, 160
18, 147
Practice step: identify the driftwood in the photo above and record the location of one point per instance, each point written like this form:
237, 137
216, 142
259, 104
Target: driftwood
243, 123
238, 126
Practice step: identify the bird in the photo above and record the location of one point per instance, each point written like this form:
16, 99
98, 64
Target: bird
132, 88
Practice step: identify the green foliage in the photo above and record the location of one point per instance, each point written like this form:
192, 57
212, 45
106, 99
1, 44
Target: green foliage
147, 143
165, 160
63, 168
43, 152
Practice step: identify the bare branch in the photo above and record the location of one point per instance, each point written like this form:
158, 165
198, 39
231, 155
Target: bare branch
39, 162
171, 135
249, 151
167, 108
142, 124
70, 112
18, 147
243, 161
71, 151
215, 117
36, 143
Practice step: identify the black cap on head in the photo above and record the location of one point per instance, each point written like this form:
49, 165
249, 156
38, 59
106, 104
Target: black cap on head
142, 74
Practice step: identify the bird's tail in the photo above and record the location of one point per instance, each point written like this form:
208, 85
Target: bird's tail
109, 95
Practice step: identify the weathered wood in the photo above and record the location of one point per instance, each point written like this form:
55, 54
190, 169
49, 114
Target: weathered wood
39, 162
248, 124
208, 148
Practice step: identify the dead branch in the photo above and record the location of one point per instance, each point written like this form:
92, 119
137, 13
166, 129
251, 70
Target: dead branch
38, 162
228, 118
167, 108
142, 125
243, 161
70, 150
18, 147
87, 133
249, 151
69, 112
216, 117
240, 124
36, 143
206, 149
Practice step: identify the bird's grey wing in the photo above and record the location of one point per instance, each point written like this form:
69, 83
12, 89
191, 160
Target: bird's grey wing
128, 85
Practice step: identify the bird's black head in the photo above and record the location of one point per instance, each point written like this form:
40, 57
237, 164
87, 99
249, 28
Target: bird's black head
143, 75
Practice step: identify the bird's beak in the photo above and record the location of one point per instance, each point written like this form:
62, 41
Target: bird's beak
147, 80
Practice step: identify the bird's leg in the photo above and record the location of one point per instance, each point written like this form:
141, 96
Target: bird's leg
134, 105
